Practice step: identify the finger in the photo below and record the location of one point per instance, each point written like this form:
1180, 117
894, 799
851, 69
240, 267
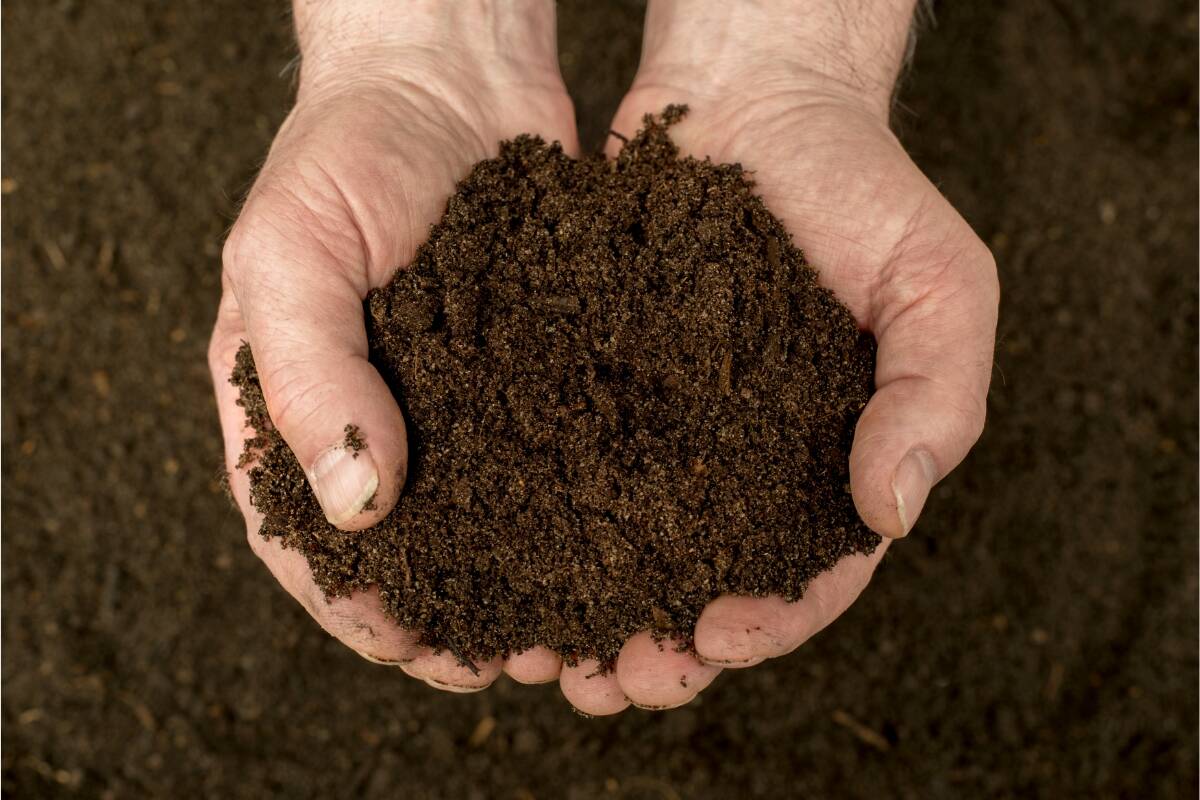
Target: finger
358, 621
228, 334
935, 323
742, 631
444, 671
300, 281
589, 691
535, 665
655, 675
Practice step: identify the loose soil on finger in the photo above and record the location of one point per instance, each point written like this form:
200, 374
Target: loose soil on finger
626, 395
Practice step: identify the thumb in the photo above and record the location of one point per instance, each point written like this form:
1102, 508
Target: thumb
935, 325
302, 307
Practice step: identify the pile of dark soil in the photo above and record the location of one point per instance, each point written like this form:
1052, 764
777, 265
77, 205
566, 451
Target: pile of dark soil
626, 395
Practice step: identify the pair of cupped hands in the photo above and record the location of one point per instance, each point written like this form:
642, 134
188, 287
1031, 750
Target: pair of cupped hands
364, 164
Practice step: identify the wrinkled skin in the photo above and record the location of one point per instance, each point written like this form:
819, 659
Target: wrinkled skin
360, 170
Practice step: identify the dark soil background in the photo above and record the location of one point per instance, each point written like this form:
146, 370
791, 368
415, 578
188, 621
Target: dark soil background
1037, 636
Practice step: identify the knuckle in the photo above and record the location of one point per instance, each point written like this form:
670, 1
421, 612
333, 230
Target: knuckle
234, 246
293, 397
274, 216
991, 284
253, 235
216, 354
258, 545
976, 420
987, 278
223, 344
966, 420
296, 205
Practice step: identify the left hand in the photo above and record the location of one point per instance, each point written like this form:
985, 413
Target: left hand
891, 248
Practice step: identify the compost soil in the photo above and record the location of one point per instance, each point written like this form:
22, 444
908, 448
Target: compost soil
626, 394
1034, 636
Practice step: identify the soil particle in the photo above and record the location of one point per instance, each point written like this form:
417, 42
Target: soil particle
354, 441
626, 395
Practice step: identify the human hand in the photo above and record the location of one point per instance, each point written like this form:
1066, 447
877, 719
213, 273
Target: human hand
800, 97
395, 104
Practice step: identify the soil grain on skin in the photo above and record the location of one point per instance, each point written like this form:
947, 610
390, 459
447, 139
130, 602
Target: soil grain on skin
626, 395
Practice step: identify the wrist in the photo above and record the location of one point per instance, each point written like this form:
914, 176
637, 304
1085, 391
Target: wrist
510, 43
843, 50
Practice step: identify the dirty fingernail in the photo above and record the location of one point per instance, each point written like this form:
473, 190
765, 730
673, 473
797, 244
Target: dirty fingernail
387, 662
344, 481
911, 484
456, 688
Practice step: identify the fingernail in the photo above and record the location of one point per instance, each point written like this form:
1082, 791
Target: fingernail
533, 683
344, 481
730, 662
911, 484
457, 688
666, 707
387, 662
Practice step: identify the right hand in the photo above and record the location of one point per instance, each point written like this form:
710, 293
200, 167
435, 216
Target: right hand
387, 119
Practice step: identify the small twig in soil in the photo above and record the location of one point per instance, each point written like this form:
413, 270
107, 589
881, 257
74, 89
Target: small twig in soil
407, 570
865, 735
725, 375
622, 137
463, 661
54, 252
